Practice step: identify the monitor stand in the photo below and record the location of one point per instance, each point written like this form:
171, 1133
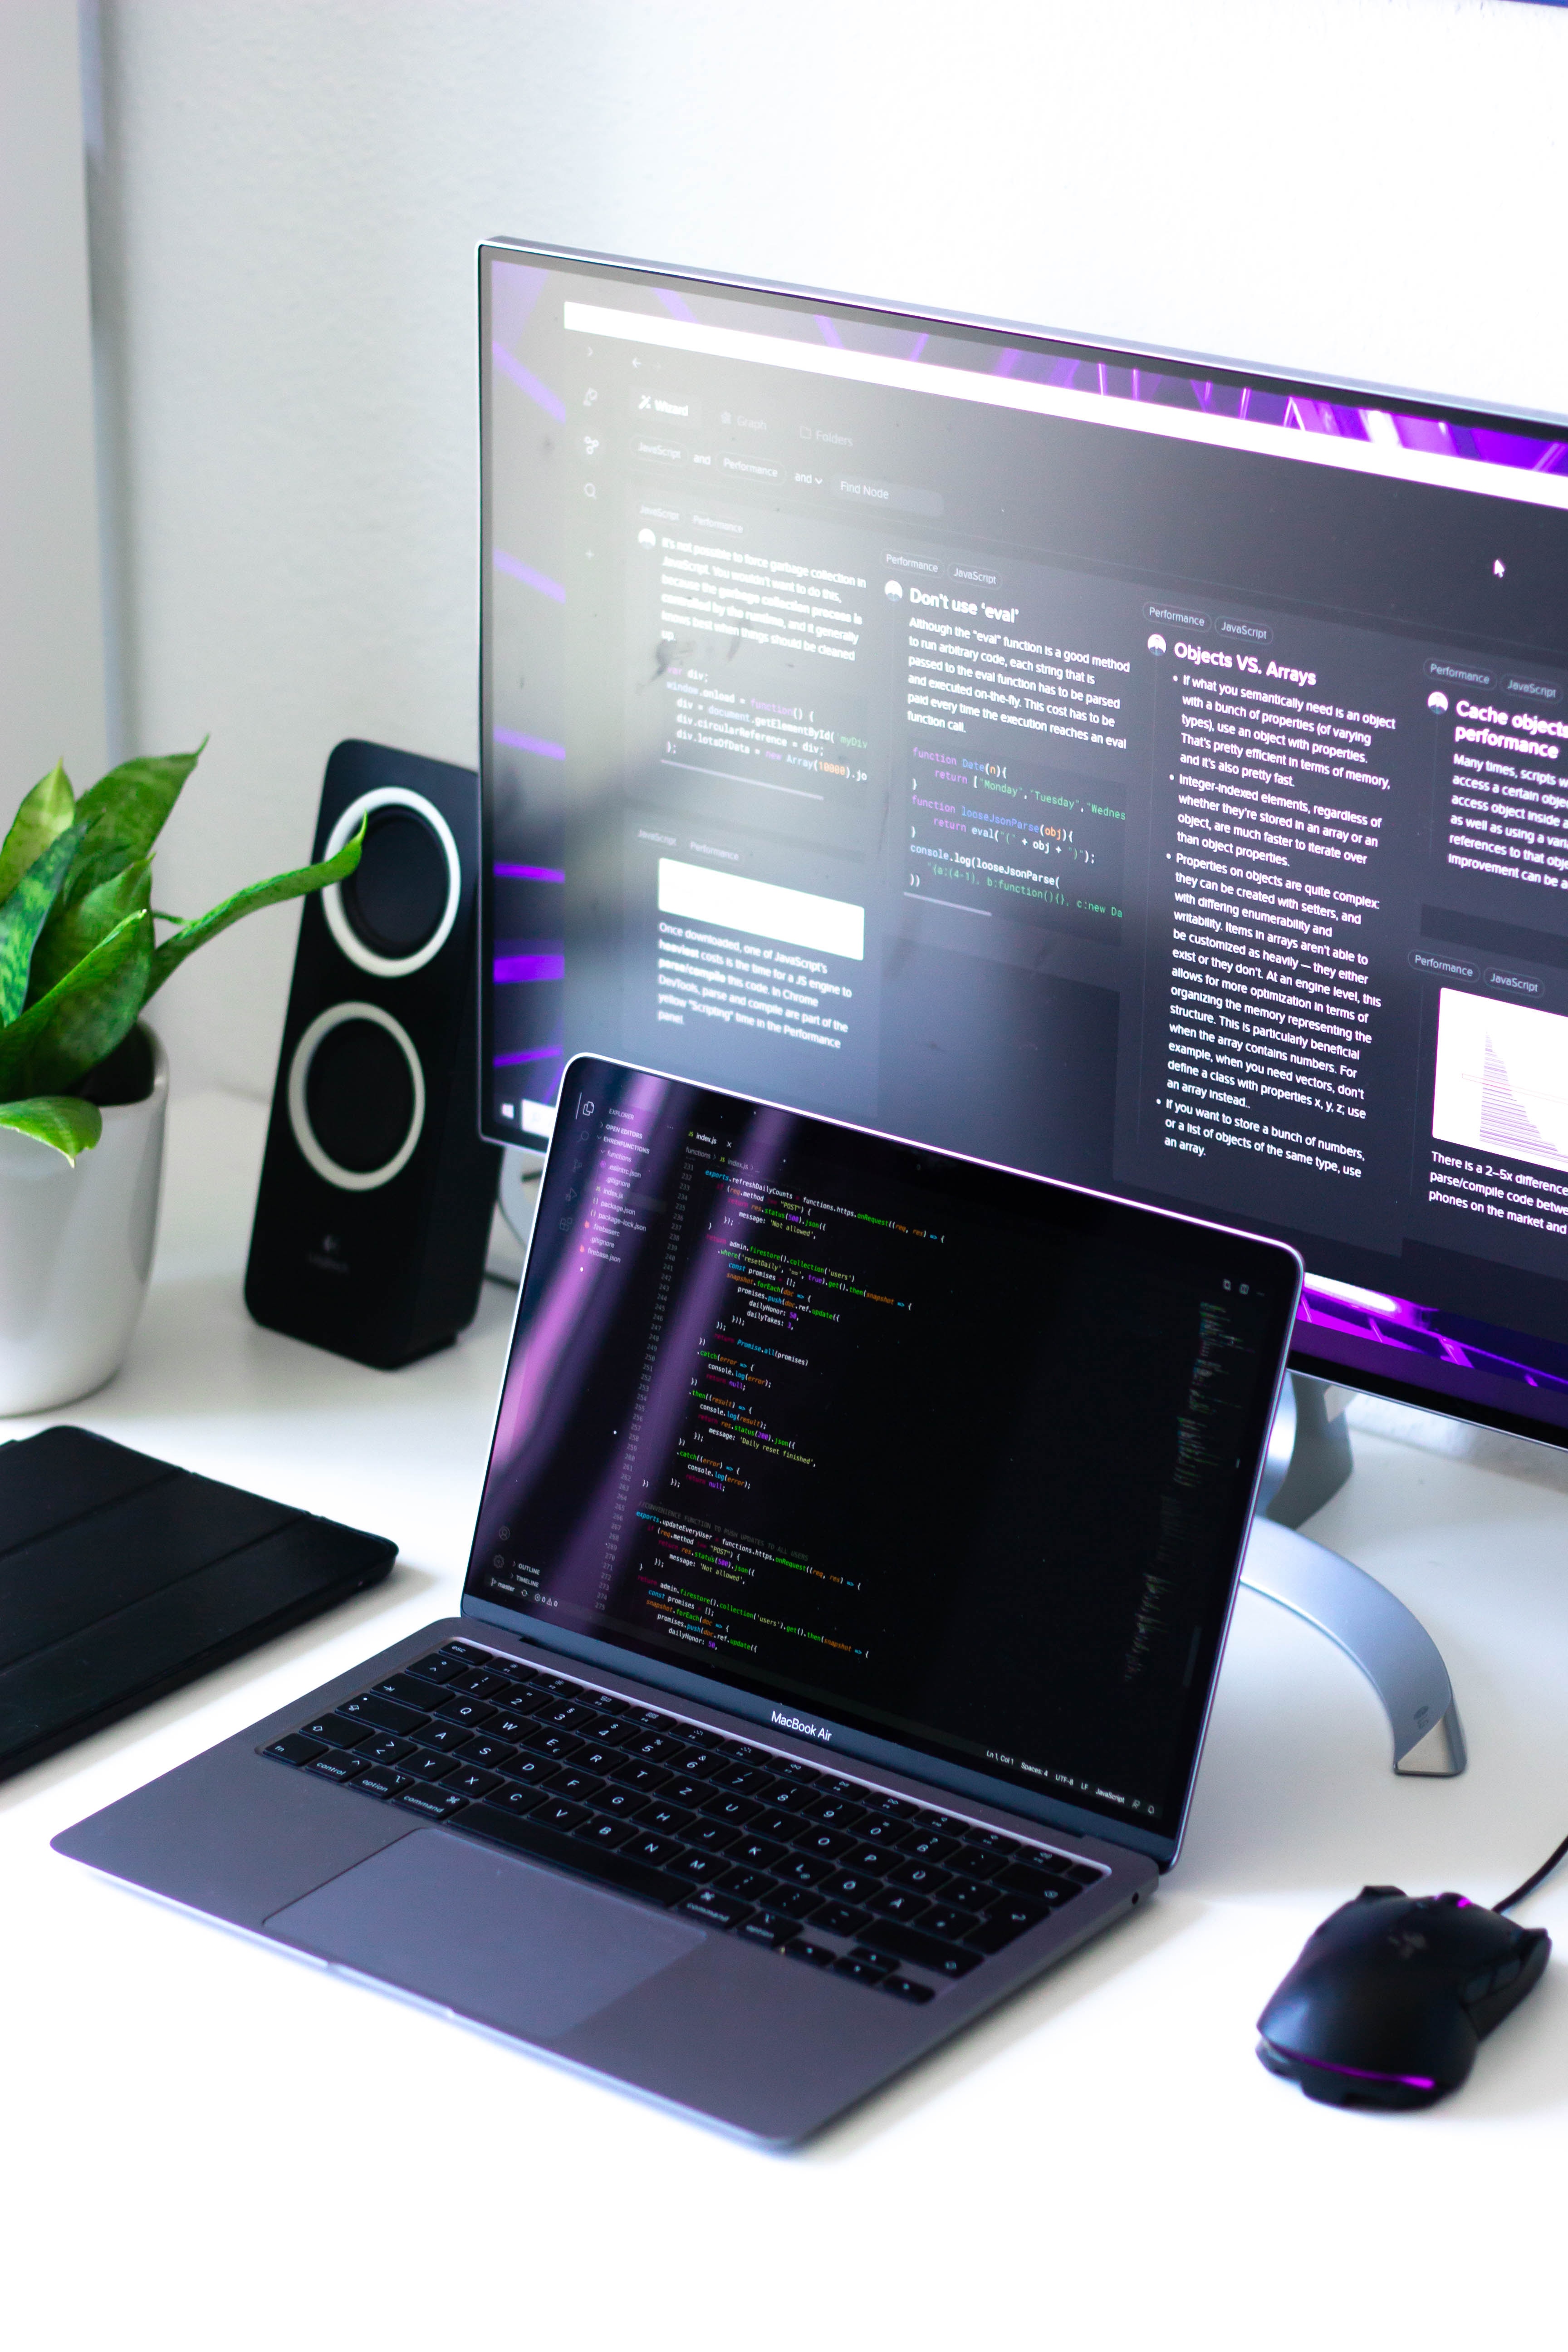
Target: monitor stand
1309, 1460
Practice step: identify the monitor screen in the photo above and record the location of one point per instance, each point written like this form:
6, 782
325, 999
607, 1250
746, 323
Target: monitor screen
1115, 767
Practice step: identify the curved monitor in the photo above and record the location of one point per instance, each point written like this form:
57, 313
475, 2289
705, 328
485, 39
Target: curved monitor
1106, 765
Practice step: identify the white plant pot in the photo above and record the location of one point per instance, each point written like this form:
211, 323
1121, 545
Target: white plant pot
76, 1250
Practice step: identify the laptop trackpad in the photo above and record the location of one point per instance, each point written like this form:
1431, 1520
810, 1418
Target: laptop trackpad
484, 1933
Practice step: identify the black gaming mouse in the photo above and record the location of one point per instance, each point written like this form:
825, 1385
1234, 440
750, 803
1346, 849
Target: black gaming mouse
1393, 1993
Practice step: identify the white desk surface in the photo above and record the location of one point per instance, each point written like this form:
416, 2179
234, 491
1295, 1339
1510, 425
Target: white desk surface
205, 2142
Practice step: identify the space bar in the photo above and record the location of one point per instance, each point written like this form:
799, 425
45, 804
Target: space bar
549, 1845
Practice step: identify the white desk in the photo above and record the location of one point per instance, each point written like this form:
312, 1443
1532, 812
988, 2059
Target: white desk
205, 2144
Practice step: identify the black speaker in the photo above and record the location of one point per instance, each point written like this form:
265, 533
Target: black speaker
376, 1193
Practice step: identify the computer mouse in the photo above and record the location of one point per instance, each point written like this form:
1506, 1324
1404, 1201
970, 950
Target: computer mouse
1392, 1994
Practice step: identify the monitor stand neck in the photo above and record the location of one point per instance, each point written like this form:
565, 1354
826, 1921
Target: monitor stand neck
1309, 1460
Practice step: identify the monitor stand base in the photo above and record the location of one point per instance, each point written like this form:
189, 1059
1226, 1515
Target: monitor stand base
1309, 1460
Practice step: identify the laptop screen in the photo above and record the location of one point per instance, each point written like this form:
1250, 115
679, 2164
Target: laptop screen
927, 1460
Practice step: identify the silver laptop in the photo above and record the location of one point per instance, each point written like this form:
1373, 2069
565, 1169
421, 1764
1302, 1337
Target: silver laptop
861, 1528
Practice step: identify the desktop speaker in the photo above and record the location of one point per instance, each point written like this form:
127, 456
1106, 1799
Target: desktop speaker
377, 1191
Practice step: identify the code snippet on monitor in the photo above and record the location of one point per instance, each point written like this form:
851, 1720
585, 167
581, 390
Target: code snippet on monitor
997, 835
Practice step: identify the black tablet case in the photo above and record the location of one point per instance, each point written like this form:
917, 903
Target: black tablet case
122, 1577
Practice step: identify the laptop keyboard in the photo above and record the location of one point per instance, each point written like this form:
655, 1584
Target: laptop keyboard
832, 1873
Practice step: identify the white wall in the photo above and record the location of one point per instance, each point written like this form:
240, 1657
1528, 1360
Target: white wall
290, 191
51, 641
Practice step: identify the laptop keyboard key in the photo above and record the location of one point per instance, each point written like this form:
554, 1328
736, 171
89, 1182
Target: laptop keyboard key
620, 1804
806, 1870
673, 1821
925, 1951
770, 1928
854, 1886
929, 1845
391, 1713
881, 1830
560, 1813
469, 1711
974, 1863
604, 1830
718, 1909
1034, 1884
436, 1668
509, 1798
772, 1824
509, 1724
908, 1989
336, 1764
426, 1765
816, 1956
478, 1747
954, 1926
293, 1748
898, 1902
659, 1852
836, 1813
920, 1877
420, 1797
862, 1967
758, 1853
699, 1866
385, 1749
471, 1780
334, 1732
794, 1901
746, 1885
1004, 1922
831, 1844
840, 1919
479, 1684
383, 1781
446, 1738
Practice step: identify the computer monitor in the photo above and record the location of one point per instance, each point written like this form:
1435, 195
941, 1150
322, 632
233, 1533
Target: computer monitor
1104, 762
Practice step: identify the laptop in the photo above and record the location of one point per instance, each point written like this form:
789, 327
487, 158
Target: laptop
861, 1532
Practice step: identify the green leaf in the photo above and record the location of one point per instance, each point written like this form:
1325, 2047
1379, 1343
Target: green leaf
168, 958
45, 813
73, 931
84, 1016
64, 1122
127, 810
24, 915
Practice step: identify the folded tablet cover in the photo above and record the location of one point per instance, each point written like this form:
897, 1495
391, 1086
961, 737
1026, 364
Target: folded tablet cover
122, 1577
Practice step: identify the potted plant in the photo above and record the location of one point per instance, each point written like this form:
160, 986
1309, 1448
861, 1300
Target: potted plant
83, 1082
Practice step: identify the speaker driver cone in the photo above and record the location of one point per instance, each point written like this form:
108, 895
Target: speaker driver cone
356, 1097
396, 910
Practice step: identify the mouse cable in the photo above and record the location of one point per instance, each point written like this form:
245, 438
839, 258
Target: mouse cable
1534, 1881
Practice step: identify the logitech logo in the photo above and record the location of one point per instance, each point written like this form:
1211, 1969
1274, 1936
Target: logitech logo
798, 1723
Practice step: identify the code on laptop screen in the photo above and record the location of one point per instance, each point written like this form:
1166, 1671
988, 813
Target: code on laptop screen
955, 1457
